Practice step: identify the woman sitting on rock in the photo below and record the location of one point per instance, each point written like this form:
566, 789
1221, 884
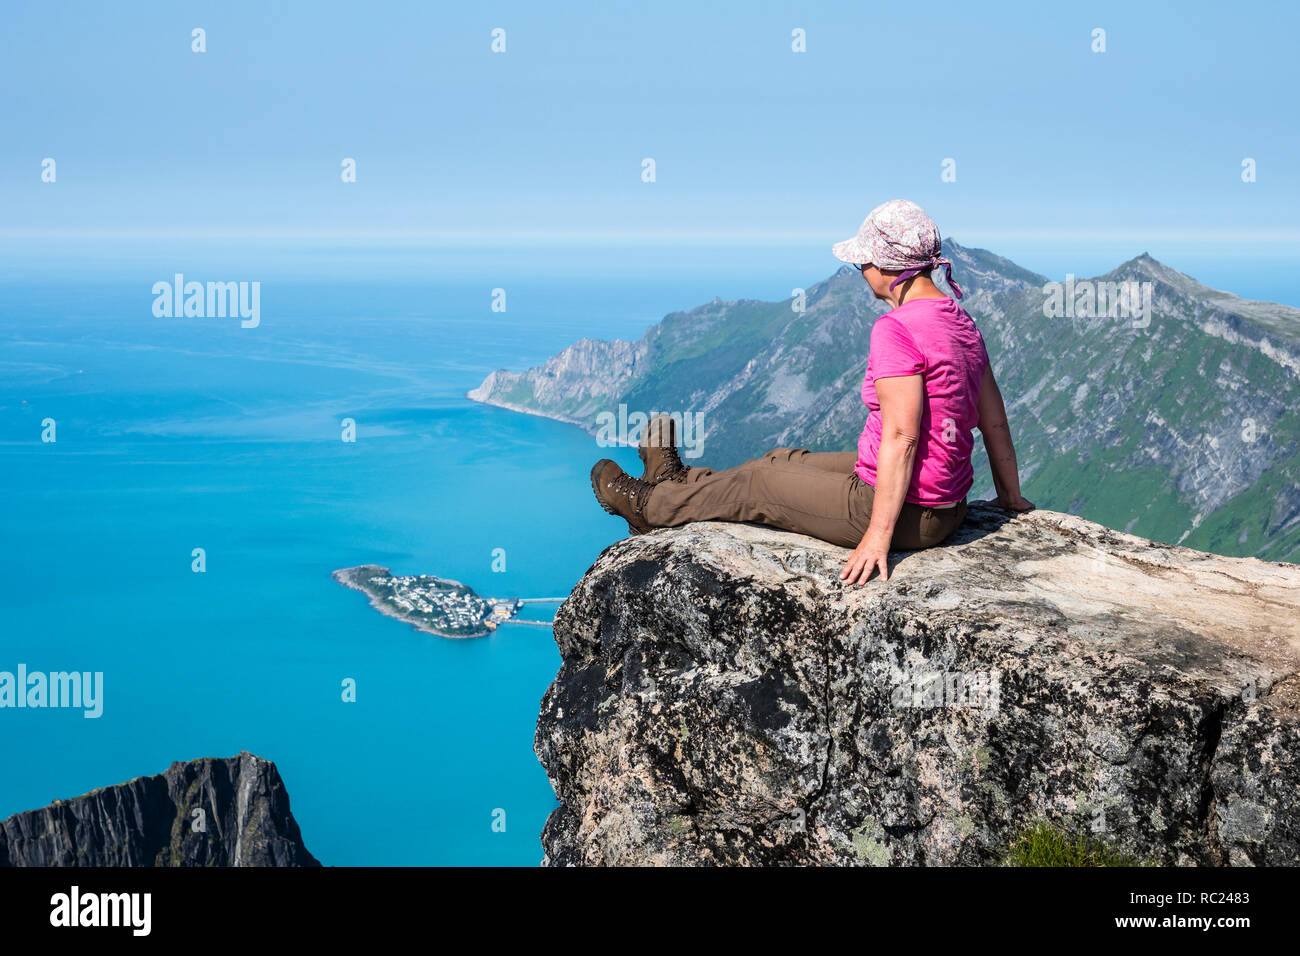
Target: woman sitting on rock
928, 384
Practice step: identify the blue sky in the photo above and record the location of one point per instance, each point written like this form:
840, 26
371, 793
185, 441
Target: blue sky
753, 143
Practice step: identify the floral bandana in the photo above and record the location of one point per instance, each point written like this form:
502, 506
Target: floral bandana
898, 235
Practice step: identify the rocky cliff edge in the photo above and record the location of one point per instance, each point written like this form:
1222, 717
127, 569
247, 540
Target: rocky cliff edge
723, 699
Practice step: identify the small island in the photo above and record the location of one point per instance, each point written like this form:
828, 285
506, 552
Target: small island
431, 604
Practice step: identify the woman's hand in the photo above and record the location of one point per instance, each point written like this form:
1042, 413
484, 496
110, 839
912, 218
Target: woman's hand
871, 554
1014, 503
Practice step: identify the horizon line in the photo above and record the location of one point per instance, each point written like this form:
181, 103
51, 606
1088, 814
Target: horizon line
643, 237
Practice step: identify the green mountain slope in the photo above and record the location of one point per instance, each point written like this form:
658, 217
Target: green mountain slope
1184, 427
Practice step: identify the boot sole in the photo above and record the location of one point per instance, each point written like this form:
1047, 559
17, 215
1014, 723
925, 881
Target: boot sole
596, 469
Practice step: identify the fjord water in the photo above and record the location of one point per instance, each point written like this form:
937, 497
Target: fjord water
180, 434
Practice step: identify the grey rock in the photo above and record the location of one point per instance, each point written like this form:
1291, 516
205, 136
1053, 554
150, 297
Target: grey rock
724, 699
150, 821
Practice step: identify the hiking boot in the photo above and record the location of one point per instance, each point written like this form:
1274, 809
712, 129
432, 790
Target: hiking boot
658, 451
622, 495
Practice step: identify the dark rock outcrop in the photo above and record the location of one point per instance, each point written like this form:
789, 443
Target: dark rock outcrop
208, 812
724, 699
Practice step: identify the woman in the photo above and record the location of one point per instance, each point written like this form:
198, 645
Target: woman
928, 384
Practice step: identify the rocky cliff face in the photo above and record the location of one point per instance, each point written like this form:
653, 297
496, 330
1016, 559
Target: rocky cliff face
723, 699
208, 812
1183, 426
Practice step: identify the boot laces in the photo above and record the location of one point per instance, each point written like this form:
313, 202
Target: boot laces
634, 489
671, 467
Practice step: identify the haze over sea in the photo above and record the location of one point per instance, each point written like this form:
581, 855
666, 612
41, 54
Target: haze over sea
175, 434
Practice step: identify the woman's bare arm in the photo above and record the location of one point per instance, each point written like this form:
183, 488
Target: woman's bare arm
996, 430
902, 399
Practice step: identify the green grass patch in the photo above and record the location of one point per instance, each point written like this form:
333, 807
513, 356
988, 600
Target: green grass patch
1046, 845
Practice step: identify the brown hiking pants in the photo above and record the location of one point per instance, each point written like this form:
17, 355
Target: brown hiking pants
813, 493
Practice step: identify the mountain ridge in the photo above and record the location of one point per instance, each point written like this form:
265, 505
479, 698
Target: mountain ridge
1183, 426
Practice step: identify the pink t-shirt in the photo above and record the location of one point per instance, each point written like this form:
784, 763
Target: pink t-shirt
936, 339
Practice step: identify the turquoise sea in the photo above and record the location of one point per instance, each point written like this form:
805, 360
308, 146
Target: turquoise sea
176, 434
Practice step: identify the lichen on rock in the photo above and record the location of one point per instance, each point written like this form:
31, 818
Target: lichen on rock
725, 699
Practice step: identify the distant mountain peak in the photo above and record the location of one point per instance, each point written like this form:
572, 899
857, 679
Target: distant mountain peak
1281, 320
